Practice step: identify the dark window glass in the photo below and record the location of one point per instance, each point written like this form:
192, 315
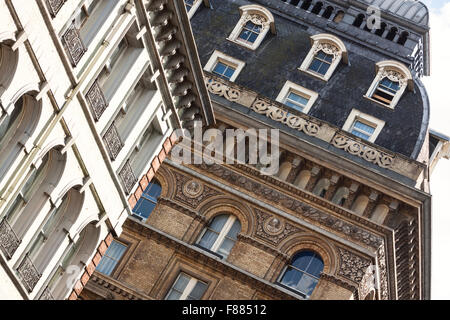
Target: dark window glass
111, 258
148, 200
303, 273
250, 32
321, 62
223, 70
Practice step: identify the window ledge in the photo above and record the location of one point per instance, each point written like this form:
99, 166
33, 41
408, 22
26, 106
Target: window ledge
390, 107
314, 74
242, 44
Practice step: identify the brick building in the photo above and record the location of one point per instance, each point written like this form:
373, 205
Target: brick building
347, 215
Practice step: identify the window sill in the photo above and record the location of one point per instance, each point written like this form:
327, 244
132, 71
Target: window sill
243, 44
209, 251
390, 107
315, 75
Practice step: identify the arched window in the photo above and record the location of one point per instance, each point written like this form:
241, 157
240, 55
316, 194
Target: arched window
34, 194
392, 33
306, 4
16, 129
321, 187
323, 58
253, 26
328, 12
340, 196
147, 203
8, 65
359, 20
317, 7
403, 37
390, 82
220, 235
72, 263
380, 32
303, 272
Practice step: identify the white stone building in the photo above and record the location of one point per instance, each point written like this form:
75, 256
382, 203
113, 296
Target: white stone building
90, 91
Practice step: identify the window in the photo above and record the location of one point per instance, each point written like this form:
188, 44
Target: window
390, 82
325, 54
147, 202
192, 6
321, 62
303, 272
220, 235
186, 288
111, 258
363, 125
252, 27
224, 66
223, 70
297, 97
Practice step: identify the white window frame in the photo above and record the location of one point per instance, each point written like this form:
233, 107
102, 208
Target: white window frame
194, 8
299, 90
365, 118
258, 15
189, 287
329, 44
394, 71
218, 56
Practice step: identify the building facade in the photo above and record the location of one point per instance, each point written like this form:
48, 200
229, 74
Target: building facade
347, 215
91, 92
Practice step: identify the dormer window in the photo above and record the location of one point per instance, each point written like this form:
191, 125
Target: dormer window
253, 26
363, 125
389, 84
297, 97
325, 54
224, 66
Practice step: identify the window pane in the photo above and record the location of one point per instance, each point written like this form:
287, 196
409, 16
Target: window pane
293, 105
235, 229
208, 239
253, 37
291, 277
153, 190
198, 291
307, 284
144, 207
361, 135
302, 260
315, 267
218, 222
173, 295
298, 98
226, 247
220, 68
364, 127
229, 72
181, 282
323, 68
111, 257
315, 65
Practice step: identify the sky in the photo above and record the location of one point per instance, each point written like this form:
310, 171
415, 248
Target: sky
437, 87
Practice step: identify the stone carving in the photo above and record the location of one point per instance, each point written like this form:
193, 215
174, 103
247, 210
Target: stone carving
383, 281
393, 76
326, 220
96, 100
113, 141
128, 177
192, 189
221, 89
294, 121
28, 273
192, 192
55, 6
328, 48
257, 19
368, 283
363, 151
352, 266
74, 45
273, 229
46, 295
9, 242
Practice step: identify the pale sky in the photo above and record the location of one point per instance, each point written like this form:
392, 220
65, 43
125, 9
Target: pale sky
438, 88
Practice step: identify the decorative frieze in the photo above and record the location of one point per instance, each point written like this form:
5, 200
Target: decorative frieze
352, 266
113, 142
309, 213
221, 89
54, 6
363, 151
291, 120
273, 229
9, 242
96, 100
28, 273
74, 45
128, 177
